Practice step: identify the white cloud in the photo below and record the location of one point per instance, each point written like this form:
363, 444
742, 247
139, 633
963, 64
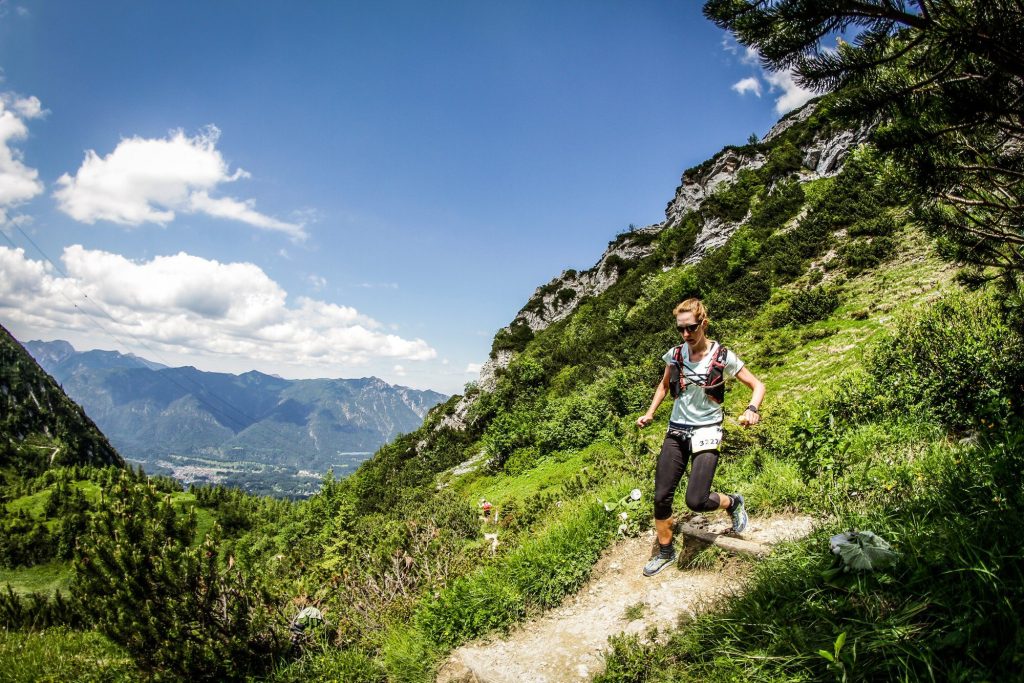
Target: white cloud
148, 180
473, 368
747, 55
18, 182
378, 285
399, 370
184, 303
317, 282
792, 96
746, 85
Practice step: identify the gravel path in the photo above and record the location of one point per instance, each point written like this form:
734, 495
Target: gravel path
566, 643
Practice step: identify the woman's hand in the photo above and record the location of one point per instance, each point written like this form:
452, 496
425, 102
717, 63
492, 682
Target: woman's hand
749, 418
644, 420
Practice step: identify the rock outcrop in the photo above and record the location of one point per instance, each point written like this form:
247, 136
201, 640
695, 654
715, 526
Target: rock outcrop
822, 157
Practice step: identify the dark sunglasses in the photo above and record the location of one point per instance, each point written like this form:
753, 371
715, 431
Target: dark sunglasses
688, 328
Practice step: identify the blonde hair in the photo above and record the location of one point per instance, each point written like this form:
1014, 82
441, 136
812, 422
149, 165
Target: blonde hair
695, 306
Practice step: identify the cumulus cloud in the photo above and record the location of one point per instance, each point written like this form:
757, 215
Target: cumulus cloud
148, 180
399, 370
791, 95
473, 368
18, 182
184, 303
746, 85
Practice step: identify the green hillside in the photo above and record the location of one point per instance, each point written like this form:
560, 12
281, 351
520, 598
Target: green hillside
893, 404
40, 426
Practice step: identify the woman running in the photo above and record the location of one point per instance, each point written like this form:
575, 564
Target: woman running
695, 374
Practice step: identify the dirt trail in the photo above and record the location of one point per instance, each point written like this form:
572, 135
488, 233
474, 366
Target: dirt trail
566, 643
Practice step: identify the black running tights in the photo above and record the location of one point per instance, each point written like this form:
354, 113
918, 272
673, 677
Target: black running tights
675, 451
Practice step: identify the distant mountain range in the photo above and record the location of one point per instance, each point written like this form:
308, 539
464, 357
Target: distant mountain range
151, 412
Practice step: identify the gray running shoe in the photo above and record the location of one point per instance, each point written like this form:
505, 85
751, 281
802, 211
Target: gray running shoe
658, 563
738, 511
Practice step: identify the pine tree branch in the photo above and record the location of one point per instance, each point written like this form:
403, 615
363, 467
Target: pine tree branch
860, 9
984, 230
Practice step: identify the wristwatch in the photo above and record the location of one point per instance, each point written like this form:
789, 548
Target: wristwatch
752, 408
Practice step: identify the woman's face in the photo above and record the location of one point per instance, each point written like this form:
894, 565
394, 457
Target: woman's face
684, 323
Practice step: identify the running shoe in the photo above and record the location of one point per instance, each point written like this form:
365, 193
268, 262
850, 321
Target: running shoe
738, 512
658, 563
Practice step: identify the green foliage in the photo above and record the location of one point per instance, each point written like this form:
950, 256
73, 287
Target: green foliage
960, 358
571, 422
61, 654
731, 202
331, 664
861, 254
513, 338
807, 305
630, 659
941, 82
38, 610
170, 605
783, 160
776, 207
535, 575
676, 242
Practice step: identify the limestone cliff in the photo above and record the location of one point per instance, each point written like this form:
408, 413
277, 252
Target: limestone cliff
817, 148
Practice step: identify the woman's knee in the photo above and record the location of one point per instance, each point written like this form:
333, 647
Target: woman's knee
701, 502
662, 506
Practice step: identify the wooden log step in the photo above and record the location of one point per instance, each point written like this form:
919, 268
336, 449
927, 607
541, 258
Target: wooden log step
726, 542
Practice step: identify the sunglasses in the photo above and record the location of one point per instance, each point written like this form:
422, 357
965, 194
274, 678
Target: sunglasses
688, 328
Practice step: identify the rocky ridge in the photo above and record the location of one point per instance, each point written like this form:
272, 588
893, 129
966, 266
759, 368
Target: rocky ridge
822, 157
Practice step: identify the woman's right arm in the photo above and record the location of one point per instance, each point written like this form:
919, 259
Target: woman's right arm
659, 395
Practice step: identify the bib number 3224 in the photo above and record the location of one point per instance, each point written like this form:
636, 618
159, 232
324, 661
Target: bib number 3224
706, 439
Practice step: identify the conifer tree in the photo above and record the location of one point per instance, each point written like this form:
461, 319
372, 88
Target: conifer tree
944, 79
172, 606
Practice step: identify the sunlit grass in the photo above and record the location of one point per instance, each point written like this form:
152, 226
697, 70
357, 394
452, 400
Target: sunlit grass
59, 654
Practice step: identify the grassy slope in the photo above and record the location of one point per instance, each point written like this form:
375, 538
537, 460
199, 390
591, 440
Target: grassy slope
53, 576
907, 282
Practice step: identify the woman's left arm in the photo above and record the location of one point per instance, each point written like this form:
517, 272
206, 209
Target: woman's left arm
751, 417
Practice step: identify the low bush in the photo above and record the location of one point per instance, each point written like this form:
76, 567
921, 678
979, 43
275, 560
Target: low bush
806, 306
958, 358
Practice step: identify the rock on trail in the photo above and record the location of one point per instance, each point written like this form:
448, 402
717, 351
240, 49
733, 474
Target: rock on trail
566, 643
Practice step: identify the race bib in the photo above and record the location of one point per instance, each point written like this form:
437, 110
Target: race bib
705, 439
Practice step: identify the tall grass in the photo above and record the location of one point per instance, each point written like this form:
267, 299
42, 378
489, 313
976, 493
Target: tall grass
61, 654
533, 577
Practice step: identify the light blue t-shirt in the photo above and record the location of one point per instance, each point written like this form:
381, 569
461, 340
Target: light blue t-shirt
693, 407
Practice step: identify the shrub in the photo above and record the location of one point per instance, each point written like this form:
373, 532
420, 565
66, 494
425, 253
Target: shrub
513, 338
807, 305
960, 358
731, 202
572, 422
784, 159
565, 295
170, 605
861, 254
510, 430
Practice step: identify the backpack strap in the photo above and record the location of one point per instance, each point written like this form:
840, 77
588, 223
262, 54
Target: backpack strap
676, 377
714, 387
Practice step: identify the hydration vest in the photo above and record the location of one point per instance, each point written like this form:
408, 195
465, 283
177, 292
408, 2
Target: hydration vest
714, 384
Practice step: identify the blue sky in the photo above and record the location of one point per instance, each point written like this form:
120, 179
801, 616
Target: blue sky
335, 189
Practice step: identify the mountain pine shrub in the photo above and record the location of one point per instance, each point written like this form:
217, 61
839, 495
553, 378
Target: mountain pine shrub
170, 604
